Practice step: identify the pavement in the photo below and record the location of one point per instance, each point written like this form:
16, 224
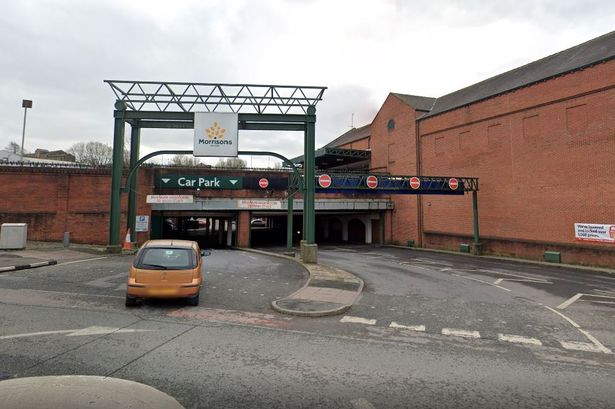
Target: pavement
328, 291
39, 254
76, 391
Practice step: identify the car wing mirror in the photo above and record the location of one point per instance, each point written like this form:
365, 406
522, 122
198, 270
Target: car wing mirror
205, 253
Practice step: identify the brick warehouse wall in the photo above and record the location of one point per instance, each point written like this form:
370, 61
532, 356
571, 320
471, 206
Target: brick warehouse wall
53, 201
545, 158
394, 151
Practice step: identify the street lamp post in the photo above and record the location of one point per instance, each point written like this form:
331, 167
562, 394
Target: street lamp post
26, 103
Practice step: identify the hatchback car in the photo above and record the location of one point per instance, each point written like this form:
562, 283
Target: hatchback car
166, 269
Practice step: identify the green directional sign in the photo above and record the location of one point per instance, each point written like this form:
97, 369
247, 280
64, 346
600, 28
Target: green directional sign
198, 182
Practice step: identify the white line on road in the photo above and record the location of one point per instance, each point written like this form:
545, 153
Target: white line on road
569, 301
74, 294
94, 330
460, 333
357, 320
81, 261
481, 281
362, 403
518, 339
580, 346
589, 336
420, 328
518, 277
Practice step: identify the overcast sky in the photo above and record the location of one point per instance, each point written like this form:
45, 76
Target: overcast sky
58, 52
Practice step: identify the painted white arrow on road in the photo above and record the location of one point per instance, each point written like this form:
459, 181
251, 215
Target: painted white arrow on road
94, 330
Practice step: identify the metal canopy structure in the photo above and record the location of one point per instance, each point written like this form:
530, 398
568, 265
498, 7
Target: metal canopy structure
326, 158
244, 98
171, 105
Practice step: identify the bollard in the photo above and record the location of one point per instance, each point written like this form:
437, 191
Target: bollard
66, 240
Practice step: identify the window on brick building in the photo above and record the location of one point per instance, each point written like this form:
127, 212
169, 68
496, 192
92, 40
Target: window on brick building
391, 124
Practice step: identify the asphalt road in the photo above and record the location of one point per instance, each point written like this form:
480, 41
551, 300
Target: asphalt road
234, 351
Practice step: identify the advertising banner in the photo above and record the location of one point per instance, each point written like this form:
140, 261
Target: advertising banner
215, 134
604, 233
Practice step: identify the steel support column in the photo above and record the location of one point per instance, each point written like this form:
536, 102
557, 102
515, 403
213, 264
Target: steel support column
309, 195
289, 225
116, 178
135, 141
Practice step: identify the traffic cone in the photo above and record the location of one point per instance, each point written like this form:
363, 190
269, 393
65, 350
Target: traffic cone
127, 245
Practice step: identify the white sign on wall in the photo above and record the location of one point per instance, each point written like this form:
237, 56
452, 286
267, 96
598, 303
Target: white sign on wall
259, 204
142, 223
604, 233
215, 134
170, 199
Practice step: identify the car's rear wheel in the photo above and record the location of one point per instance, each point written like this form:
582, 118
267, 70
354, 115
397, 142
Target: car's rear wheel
131, 301
193, 301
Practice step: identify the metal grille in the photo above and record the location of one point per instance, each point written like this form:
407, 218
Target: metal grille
240, 98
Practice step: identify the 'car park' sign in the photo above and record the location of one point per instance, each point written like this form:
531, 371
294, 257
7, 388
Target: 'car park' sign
198, 182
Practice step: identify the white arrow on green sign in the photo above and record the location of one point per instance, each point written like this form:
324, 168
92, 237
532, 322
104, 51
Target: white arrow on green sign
198, 182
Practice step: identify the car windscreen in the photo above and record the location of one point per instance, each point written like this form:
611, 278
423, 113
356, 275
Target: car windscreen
158, 258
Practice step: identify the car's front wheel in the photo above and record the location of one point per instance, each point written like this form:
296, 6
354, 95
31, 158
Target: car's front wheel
131, 301
193, 301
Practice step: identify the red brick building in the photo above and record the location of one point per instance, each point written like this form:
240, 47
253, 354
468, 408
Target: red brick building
541, 139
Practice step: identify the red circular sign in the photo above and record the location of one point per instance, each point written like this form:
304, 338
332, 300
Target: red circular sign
415, 182
453, 183
263, 183
372, 182
324, 181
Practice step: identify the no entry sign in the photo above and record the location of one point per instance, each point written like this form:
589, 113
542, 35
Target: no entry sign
324, 181
415, 183
263, 183
372, 182
453, 183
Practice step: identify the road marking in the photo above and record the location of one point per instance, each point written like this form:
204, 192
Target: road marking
580, 346
484, 282
73, 294
518, 339
460, 333
576, 297
569, 301
420, 328
80, 261
589, 336
518, 277
94, 330
362, 403
357, 320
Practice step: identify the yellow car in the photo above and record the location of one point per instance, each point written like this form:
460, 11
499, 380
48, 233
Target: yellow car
166, 269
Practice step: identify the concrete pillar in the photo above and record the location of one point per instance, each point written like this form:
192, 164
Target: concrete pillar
344, 229
368, 229
229, 233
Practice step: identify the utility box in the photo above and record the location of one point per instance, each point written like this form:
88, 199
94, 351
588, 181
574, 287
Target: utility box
13, 236
553, 256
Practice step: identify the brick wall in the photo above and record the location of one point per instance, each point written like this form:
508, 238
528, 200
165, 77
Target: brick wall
54, 201
544, 155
